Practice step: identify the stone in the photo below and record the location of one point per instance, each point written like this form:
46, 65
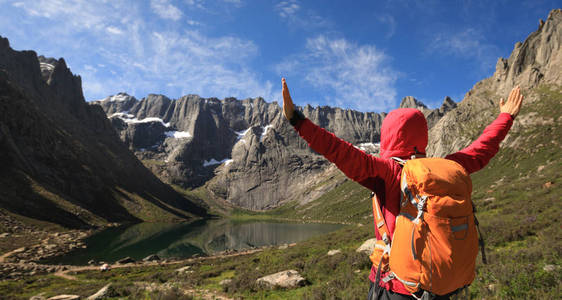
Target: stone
5, 234
548, 184
367, 247
334, 252
38, 297
285, 279
105, 292
105, 267
126, 260
550, 268
225, 282
185, 269
65, 297
151, 257
91, 262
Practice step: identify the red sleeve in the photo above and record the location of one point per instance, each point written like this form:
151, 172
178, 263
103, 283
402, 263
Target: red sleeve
478, 154
353, 162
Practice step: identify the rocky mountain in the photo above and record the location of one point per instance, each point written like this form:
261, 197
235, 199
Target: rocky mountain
537, 62
243, 151
432, 115
254, 158
61, 159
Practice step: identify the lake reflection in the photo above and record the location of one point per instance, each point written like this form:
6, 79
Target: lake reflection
186, 240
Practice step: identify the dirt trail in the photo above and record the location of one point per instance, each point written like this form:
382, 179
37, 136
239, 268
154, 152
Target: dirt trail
64, 274
5, 255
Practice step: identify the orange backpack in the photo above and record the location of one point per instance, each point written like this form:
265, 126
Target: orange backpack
435, 243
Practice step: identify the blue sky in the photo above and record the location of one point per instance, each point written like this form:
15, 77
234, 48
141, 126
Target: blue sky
364, 55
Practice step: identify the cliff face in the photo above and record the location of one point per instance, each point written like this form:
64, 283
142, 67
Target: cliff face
535, 62
61, 159
254, 158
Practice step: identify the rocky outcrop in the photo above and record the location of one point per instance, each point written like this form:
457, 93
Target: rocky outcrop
536, 61
367, 247
285, 279
61, 159
431, 115
243, 150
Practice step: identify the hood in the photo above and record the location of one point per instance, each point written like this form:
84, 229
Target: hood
403, 133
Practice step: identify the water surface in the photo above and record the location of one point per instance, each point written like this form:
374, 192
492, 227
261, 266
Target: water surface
186, 240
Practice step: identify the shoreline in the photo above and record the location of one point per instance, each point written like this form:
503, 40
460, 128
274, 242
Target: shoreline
26, 261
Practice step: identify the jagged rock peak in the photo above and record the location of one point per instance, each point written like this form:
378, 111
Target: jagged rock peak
538, 59
448, 104
411, 102
119, 97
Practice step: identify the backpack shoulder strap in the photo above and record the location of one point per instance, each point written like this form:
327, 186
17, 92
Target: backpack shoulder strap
379, 220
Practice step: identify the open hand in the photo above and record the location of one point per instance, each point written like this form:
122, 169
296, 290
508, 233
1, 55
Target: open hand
513, 103
288, 106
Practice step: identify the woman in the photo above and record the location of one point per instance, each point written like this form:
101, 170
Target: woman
404, 135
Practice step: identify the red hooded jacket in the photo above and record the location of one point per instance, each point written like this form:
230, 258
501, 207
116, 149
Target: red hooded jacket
403, 133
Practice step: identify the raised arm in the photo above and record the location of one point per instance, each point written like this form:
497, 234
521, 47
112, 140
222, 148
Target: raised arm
353, 162
478, 154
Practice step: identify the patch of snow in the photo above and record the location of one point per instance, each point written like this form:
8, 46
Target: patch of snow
228, 162
369, 147
146, 120
122, 115
178, 134
242, 133
213, 161
264, 132
117, 98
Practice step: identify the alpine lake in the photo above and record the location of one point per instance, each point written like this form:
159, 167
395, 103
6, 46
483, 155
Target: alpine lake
180, 241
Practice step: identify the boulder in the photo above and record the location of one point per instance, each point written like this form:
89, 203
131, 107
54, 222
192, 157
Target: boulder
334, 252
38, 297
225, 282
151, 257
126, 260
184, 270
285, 279
105, 292
105, 267
65, 297
550, 268
367, 247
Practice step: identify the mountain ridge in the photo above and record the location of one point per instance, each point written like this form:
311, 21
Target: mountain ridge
63, 161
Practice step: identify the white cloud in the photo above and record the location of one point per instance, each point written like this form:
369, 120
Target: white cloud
350, 75
193, 23
469, 43
114, 30
292, 12
287, 9
165, 10
138, 56
389, 21
196, 3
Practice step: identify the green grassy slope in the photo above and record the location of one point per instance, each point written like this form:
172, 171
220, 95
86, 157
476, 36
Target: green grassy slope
519, 203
